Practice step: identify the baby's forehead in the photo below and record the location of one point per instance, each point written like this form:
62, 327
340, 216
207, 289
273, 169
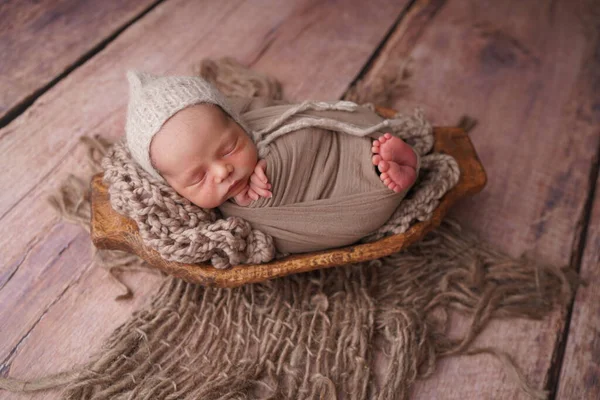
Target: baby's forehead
194, 127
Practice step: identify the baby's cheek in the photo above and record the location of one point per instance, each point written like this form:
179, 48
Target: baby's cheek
243, 161
207, 197
252, 157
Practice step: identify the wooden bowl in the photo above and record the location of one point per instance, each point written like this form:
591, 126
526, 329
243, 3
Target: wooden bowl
111, 230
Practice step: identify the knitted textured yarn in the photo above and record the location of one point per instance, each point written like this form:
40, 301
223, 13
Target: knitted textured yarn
364, 331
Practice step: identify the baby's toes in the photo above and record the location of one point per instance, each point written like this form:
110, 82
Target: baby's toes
383, 166
375, 148
376, 159
384, 138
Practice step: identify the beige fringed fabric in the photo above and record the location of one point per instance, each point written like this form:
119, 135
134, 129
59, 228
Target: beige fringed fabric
315, 335
180, 231
365, 331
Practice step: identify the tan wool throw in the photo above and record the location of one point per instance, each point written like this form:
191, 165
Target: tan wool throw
363, 331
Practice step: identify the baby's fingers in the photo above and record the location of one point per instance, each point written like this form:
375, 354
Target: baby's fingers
260, 191
252, 194
258, 182
260, 170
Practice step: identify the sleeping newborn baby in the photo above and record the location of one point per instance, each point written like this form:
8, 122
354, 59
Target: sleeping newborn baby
208, 158
313, 189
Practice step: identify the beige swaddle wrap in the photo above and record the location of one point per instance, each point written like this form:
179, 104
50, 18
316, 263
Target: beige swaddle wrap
326, 192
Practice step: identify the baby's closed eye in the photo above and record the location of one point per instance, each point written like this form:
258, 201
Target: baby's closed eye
230, 147
197, 179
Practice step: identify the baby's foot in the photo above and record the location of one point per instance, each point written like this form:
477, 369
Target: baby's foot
396, 161
395, 176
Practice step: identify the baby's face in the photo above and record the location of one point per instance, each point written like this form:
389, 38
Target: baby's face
204, 155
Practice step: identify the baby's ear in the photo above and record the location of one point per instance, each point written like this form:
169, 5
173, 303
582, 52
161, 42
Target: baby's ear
137, 79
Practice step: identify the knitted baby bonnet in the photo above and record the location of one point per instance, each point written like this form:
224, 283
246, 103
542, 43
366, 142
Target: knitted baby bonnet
155, 99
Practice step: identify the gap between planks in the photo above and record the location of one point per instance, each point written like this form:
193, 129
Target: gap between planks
555, 371
24, 104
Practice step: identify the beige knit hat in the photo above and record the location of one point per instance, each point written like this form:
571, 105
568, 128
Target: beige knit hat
154, 99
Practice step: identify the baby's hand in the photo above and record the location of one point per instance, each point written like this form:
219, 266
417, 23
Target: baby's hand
259, 183
259, 186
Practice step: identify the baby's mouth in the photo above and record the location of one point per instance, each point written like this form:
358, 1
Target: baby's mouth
234, 186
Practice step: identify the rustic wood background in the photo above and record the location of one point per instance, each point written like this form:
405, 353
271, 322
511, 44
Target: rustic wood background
529, 71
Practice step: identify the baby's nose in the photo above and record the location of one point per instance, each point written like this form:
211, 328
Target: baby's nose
222, 171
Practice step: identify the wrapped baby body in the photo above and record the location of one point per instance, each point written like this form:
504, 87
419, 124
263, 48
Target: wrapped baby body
326, 192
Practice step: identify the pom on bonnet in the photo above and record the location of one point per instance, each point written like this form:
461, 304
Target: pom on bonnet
155, 99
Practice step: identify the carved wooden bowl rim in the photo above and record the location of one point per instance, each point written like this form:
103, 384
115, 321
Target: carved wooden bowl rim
110, 230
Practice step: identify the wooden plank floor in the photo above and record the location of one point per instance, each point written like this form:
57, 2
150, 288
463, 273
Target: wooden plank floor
529, 71
41, 41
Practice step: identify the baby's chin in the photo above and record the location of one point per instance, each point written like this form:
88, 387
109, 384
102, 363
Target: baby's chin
214, 204
206, 205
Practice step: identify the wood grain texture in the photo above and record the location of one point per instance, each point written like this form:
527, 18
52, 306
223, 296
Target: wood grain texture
580, 370
75, 324
580, 373
522, 68
39, 40
40, 149
113, 231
